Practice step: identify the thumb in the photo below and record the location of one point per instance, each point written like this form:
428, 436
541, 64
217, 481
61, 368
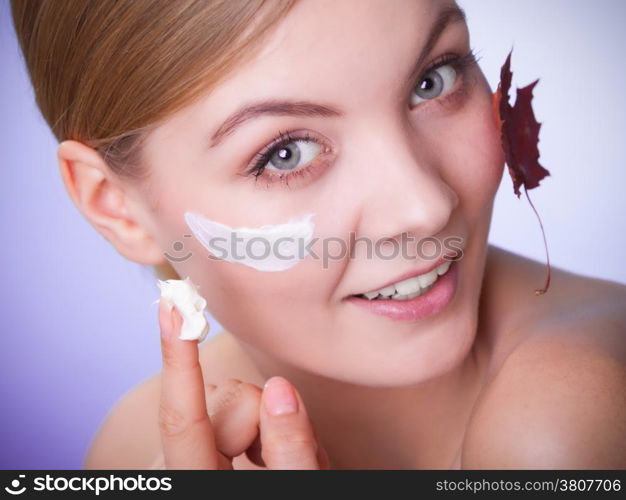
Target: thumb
288, 440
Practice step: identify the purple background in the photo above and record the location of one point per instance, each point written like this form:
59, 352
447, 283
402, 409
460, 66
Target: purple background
78, 327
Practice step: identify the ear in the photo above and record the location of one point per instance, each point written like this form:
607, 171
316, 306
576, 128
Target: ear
106, 202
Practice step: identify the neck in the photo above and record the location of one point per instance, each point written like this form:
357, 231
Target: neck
416, 426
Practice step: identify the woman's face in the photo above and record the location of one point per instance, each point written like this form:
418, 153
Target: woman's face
405, 152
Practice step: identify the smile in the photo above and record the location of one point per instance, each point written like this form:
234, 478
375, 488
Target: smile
409, 288
417, 297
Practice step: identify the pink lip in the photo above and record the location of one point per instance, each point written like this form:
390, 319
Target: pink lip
423, 306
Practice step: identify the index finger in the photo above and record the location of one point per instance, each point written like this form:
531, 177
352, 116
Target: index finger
186, 432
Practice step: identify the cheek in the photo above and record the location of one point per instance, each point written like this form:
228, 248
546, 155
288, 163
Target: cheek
247, 301
475, 160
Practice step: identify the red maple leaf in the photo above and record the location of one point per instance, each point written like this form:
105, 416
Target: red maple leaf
520, 137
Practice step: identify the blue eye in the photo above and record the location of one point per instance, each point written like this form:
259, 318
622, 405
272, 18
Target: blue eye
288, 154
436, 82
293, 154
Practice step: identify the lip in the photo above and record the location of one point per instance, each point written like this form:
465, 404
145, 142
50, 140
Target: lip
413, 274
420, 307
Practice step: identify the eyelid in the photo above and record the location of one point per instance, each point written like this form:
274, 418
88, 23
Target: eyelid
259, 160
437, 63
461, 64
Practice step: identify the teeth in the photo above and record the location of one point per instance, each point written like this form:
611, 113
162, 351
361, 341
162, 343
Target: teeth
443, 268
388, 291
409, 296
409, 286
399, 297
412, 287
428, 278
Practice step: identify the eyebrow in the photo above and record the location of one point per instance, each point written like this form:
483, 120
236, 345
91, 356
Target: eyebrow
278, 107
448, 15
273, 107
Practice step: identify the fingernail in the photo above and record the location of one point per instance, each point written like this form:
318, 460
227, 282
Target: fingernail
279, 397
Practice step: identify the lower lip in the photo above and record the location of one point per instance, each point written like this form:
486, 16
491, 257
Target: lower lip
420, 307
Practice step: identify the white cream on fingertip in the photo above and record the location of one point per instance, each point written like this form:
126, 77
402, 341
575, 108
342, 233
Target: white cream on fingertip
276, 247
183, 294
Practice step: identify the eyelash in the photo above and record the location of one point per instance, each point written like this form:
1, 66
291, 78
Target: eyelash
461, 65
261, 159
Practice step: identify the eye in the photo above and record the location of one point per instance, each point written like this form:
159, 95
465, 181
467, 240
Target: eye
436, 82
292, 154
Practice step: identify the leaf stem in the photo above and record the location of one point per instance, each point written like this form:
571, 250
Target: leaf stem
541, 291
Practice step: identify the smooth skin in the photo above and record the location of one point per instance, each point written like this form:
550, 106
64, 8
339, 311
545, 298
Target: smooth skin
552, 394
499, 378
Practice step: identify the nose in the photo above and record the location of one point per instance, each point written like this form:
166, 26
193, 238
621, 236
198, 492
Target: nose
404, 191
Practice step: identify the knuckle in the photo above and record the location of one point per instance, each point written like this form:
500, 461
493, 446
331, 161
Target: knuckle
293, 453
173, 361
299, 440
172, 358
168, 353
290, 443
226, 394
231, 383
250, 392
173, 423
248, 400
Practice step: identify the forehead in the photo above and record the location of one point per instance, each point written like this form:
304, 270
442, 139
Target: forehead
322, 42
323, 50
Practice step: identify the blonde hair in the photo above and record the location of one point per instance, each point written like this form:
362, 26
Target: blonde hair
106, 72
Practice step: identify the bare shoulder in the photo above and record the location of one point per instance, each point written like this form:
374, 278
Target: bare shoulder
553, 405
558, 399
125, 439
587, 310
129, 436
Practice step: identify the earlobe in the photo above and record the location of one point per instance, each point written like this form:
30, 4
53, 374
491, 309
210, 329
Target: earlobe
100, 196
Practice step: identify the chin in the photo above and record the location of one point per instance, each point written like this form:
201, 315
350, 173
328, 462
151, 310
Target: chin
377, 351
432, 354
381, 357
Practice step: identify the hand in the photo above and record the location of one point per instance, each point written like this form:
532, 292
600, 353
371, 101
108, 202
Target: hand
206, 426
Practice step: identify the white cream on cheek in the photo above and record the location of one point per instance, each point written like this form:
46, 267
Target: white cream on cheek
266, 248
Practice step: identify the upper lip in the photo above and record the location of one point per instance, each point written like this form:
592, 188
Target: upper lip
412, 274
